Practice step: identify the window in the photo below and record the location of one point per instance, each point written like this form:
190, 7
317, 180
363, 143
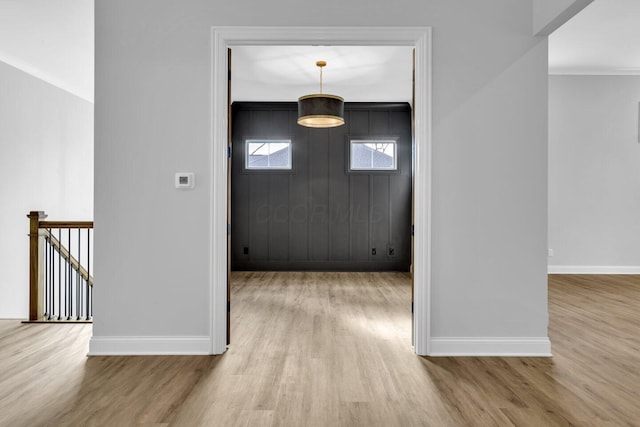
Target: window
268, 154
373, 154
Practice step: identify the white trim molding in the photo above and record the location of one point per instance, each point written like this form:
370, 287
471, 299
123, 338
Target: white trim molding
223, 38
148, 346
491, 346
594, 269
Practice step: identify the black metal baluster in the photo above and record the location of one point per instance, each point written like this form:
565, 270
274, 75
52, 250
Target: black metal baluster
90, 288
66, 261
66, 273
82, 287
45, 275
59, 275
88, 267
71, 274
49, 285
74, 279
51, 276
68, 280
79, 283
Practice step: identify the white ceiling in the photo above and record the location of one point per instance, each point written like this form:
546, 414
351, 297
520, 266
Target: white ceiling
357, 73
602, 39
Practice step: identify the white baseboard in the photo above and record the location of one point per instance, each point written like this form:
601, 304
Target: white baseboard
491, 346
593, 269
130, 346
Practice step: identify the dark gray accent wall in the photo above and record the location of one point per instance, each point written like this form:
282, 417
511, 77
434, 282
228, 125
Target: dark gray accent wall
320, 215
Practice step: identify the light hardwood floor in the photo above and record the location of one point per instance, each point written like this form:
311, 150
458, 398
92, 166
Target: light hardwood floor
334, 349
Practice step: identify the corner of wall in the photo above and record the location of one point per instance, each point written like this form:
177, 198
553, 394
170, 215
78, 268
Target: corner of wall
549, 15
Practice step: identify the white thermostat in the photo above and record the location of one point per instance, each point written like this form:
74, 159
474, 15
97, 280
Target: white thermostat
185, 180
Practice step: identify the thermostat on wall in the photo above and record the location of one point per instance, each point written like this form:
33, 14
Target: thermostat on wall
185, 180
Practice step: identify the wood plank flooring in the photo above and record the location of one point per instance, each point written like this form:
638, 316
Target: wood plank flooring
334, 349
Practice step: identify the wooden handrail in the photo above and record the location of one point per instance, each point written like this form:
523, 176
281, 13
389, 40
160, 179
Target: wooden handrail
64, 252
66, 224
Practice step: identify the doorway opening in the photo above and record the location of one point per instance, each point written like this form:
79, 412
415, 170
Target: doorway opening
228, 37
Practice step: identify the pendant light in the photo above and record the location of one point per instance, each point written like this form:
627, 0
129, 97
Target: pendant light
320, 110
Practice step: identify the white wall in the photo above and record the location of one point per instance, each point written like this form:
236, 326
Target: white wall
46, 163
153, 118
50, 39
594, 174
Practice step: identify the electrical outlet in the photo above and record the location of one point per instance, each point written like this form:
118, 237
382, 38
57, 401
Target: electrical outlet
245, 250
550, 253
391, 252
373, 251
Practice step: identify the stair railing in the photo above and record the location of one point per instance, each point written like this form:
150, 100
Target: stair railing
60, 280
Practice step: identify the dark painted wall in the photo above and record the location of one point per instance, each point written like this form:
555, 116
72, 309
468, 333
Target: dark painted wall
320, 216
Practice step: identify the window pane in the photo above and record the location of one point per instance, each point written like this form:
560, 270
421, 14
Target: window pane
268, 154
373, 155
360, 156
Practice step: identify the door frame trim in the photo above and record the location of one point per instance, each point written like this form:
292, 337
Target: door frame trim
228, 37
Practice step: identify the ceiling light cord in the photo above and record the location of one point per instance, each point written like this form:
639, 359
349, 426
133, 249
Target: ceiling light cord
321, 65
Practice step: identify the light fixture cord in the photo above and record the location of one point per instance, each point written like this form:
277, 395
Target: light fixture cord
320, 80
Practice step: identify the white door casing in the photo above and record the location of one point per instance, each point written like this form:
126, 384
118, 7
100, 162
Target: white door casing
228, 37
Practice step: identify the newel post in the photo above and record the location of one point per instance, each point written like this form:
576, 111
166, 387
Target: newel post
36, 260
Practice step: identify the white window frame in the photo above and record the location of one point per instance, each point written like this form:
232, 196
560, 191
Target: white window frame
267, 141
362, 141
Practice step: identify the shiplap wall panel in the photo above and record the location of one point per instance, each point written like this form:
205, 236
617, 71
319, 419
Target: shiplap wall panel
319, 215
339, 206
